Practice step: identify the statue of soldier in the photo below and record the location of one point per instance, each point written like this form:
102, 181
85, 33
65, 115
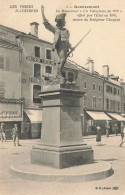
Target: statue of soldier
61, 39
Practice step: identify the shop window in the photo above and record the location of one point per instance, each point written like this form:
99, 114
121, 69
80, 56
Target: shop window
48, 69
36, 90
37, 70
2, 62
37, 51
70, 76
9, 126
48, 54
107, 104
94, 102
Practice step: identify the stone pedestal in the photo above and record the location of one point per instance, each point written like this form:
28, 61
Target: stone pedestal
61, 143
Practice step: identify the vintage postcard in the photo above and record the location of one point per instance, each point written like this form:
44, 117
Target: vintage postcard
62, 97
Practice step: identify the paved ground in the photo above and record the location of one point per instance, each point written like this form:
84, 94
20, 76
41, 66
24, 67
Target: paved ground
109, 151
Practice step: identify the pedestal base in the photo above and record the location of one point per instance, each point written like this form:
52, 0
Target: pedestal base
61, 144
88, 172
61, 157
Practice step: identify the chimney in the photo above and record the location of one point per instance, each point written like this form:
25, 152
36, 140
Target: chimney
90, 65
106, 71
116, 78
34, 29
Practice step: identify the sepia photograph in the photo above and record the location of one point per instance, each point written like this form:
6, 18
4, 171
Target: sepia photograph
62, 97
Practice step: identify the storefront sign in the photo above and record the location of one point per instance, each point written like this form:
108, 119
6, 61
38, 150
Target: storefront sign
10, 111
33, 80
38, 60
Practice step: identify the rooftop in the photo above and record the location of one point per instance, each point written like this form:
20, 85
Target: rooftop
19, 33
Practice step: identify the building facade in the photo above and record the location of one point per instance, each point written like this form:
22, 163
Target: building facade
37, 64
92, 84
11, 101
103, 99
27, 62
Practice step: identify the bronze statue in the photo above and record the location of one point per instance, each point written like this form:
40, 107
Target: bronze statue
61, 39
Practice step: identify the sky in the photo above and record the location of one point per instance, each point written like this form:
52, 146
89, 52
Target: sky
105, 44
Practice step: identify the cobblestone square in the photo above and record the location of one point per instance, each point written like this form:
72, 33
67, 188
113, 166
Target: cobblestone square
110, 151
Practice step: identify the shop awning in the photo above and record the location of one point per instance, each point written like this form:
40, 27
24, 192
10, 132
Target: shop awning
98, 115
117, 116
35, 116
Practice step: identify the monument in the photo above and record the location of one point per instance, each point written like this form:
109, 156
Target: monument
61, 143
61, 146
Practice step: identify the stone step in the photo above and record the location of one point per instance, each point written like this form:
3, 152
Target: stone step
87, 172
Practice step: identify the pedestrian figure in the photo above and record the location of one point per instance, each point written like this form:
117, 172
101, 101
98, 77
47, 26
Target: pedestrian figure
122, 134
116, 128
28, 131
98, 135
2, 133
107, 128
15, 135
61, 39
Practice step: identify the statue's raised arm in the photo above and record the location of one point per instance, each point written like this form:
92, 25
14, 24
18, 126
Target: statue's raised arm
46, 23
